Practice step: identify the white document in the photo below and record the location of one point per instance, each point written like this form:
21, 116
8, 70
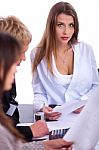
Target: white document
85, 130
69, 107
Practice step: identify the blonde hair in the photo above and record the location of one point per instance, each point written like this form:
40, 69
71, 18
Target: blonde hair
13, 26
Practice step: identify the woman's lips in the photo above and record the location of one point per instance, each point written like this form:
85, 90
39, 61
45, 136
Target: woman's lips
64, 38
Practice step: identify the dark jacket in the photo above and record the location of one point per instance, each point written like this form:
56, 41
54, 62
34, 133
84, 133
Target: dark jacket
9, 98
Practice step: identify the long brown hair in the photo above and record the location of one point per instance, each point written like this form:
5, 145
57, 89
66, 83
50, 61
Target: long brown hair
48, 41
10, 51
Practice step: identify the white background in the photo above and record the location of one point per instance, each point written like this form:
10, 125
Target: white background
34, 14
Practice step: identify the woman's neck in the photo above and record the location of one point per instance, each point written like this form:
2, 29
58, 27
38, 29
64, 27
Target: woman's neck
63, 48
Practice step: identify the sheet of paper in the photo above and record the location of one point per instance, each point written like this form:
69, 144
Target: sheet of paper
69, 107
85, 130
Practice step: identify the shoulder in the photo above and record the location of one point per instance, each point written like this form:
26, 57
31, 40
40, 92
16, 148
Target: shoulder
7, 140
3, 130
32, 53
83, 46
6, 135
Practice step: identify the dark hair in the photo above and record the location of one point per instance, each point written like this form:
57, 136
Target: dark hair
48, 41
9, 53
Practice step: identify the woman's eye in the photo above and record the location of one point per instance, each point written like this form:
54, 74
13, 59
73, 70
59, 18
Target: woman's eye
71, 25
60, 25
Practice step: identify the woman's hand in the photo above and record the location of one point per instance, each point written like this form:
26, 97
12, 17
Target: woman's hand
57, 144
51, 115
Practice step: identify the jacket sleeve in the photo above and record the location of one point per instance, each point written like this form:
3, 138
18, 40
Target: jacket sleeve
26, 132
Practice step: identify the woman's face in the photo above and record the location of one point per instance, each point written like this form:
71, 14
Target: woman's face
64, 29
10, 77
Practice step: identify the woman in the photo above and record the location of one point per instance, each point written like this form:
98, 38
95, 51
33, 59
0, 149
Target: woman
10, 139
64, 69
10, 51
